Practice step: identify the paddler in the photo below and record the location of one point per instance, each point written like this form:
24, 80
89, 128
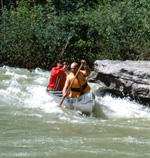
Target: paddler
57, 77
80, 85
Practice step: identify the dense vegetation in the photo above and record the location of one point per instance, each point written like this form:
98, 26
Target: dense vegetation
34, 33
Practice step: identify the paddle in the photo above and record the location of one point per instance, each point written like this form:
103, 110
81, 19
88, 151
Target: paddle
59, 105
61, 53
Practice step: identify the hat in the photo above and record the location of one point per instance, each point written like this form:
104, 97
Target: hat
59, 61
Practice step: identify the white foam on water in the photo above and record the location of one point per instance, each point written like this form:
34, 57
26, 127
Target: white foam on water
21, 92
123, 108
39, 98
28, 89
41, 80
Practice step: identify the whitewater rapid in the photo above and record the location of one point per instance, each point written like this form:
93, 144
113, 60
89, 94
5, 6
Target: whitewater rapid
21, 87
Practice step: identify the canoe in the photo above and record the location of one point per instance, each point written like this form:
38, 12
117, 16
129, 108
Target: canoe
85, 103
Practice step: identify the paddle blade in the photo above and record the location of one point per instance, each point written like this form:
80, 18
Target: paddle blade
60, 104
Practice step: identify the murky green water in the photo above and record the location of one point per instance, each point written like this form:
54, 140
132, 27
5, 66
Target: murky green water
31, 124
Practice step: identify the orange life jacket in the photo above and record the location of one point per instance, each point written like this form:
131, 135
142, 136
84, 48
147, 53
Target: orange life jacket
57, 79
79, 85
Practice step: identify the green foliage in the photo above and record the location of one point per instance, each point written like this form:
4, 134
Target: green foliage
122, 29
18, 36
73, 6
34, 32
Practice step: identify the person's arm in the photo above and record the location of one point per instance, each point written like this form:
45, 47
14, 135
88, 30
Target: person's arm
65, 67
66, 87
51, 79
86, 71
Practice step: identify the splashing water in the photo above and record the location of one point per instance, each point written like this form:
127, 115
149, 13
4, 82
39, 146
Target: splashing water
33, 126
20, 87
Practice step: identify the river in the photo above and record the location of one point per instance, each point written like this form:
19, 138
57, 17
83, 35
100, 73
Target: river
32, 126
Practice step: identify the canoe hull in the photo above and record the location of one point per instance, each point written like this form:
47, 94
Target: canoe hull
84, 103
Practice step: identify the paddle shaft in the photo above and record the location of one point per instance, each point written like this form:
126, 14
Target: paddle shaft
61, 53
70, 84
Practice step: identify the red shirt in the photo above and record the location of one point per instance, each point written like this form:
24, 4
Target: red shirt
57, 79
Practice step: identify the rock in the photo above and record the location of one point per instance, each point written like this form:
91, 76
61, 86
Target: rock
132, 77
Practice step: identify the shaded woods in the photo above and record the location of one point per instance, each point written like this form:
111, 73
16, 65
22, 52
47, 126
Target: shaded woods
34, 33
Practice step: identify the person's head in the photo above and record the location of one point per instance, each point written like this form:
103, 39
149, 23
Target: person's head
59, 64
74, 67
